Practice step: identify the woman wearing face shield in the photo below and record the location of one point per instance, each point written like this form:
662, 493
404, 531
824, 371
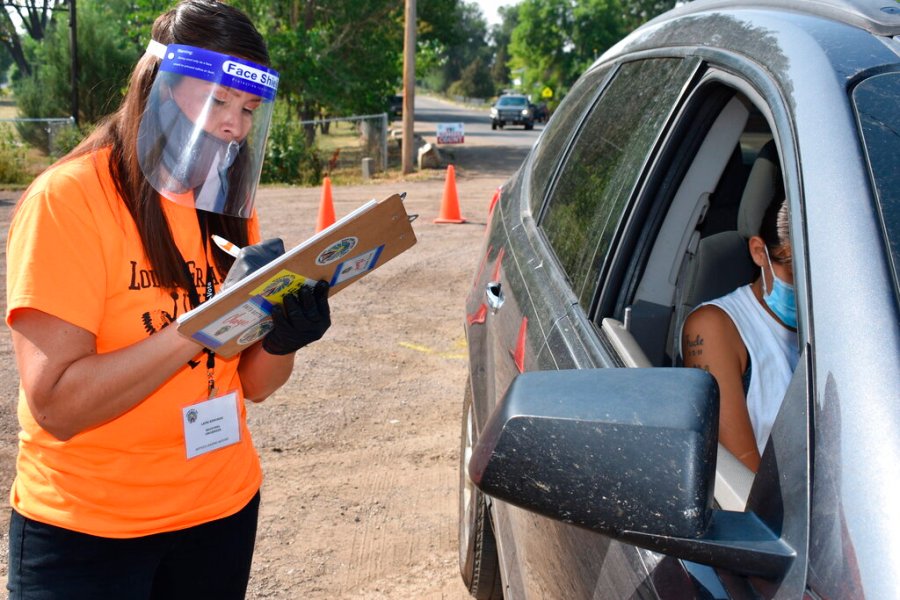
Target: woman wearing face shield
747, 340
136, 474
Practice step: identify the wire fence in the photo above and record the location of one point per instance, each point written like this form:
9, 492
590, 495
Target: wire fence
344, 142
46, 134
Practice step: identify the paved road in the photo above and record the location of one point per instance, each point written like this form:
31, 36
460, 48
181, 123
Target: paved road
484, 152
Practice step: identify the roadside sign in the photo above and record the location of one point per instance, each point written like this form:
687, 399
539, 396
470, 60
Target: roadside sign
450, 133
546, 92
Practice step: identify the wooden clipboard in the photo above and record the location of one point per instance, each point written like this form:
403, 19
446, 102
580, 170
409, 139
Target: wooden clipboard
341, 254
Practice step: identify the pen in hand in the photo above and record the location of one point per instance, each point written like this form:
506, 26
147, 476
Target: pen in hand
226, 246
248, 259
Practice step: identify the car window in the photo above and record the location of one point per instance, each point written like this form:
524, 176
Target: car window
510, 101
556, 135
877, 102
605, 164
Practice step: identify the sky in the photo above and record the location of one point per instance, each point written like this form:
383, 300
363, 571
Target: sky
489, 9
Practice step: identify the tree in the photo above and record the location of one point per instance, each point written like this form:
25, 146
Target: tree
6, 61
35, 16
501, 36
137, 16
452, 37
598, 24
468, 45
638, 12
338, 57
555, 40
542, 49
474, 81
106, 57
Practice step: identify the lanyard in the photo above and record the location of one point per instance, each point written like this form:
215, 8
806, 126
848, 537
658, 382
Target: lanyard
194, 298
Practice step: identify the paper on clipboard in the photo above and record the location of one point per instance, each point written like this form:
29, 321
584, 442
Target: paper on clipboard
343, 253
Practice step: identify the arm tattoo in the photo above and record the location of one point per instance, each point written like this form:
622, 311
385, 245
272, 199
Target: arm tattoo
694, 347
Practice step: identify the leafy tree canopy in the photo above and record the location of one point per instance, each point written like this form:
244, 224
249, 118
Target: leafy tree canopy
553, 41
474, 82
334, 57
452, 39
105, 58
34, 16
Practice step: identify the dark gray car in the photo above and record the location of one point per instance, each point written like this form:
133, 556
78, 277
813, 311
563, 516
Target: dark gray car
512, 109
590, 464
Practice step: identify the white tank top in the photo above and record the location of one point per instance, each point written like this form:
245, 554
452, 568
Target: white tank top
773, 352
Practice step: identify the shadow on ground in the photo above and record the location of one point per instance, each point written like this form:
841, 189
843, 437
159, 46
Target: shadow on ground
488, 161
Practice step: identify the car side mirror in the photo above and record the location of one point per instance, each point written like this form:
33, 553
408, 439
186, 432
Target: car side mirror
629, 453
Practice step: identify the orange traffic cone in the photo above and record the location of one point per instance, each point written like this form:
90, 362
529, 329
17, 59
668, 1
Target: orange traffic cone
326, 207
450, 203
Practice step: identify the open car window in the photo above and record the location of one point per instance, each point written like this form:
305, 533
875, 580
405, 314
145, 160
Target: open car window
686, 246
604, 166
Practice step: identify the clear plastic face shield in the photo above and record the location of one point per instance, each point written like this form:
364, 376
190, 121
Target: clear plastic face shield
202, 137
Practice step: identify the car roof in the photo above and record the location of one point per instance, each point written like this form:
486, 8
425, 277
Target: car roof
875, 16
848, 35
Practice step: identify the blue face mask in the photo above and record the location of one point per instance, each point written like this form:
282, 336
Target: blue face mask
781, 300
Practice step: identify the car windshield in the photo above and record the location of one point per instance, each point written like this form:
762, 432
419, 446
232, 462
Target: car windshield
877, 102
512, 101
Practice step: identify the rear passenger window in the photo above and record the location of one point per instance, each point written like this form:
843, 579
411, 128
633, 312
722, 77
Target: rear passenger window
609, 155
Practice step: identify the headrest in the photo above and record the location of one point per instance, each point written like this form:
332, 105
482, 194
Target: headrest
763, 183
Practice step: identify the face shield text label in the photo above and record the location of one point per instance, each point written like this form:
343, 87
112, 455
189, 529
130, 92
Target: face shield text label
250, 74
221, 69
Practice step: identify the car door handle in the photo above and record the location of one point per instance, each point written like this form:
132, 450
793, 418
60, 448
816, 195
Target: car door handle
494, 295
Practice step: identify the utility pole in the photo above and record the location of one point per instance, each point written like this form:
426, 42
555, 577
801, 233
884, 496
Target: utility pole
409, 87
73, 45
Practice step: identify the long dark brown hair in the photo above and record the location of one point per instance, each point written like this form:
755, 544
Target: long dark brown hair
202, 23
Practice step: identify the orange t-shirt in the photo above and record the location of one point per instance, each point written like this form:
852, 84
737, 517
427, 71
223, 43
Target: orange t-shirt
74, 252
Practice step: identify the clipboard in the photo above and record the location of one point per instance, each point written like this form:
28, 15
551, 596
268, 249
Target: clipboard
340, 254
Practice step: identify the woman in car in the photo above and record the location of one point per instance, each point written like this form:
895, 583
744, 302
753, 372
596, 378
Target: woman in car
747, 340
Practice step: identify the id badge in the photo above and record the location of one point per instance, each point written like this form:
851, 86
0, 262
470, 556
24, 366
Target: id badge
211, 424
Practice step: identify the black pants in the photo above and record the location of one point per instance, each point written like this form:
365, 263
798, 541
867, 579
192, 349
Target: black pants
207, 561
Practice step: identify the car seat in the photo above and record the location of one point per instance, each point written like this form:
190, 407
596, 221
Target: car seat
722, 260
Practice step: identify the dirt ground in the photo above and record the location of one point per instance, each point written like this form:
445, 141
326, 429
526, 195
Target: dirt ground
360, 448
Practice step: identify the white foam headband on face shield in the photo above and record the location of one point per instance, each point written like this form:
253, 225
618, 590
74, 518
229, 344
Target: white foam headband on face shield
156, 49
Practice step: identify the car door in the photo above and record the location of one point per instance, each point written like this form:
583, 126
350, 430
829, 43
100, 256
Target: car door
548, 276
504, 321
691, 193
658, 122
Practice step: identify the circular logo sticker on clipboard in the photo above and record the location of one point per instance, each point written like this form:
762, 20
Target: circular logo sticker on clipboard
336, 251
256, 332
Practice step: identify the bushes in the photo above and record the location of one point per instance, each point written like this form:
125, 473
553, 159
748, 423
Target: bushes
53, 137
66, 138
20, 161
289, 158
13, 163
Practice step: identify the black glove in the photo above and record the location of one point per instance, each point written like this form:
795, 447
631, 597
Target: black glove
253, 257
302, 319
